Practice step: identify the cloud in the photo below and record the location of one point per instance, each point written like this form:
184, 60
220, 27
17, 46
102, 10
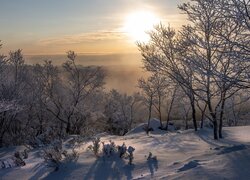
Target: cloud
83, 38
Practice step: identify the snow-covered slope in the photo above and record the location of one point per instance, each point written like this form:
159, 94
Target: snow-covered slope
182, 155
154, 124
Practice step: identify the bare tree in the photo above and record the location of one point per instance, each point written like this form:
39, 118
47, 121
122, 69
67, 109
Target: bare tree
160, 84
8, 111
149, 93
239, 10
3, 74
45, 84
218, 67
119, 110
185, 110
236, 108
82, 82
134, 100
66, 97
202, 107
164, 55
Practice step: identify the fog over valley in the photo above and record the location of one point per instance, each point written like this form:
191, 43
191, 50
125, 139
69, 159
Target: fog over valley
122, 70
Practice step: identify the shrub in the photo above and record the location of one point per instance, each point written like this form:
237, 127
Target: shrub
131, 155
151, 157
122, 150
18, 159
110, 149
53, 154
25, 154
70, 156
95, 147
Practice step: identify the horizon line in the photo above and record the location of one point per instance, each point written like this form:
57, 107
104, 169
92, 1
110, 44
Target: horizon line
83, 53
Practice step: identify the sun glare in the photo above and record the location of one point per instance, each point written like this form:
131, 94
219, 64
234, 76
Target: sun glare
137, 24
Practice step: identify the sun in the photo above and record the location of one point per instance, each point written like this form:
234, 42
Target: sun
137, 25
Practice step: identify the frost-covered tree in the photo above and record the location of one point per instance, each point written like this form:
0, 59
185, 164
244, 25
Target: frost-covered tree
3, 62
119, 110
45, 82
160, 83
239, 10
16, 59
236, 109
14, 88
149, 91
209, 58
164, 55
220, 68
172, 94
8, 114
82, 83
67, 100
3, 74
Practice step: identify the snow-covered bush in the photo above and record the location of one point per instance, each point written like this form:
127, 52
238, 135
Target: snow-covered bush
15, 161
119, 111
131, 155
2, 165
18, 159
106, 149
44, 139
122, 150
95, 146
53, 154
113, 146
73, 156
109, 148
25, 154
151, 157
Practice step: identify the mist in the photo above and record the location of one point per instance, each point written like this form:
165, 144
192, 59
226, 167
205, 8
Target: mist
122, 70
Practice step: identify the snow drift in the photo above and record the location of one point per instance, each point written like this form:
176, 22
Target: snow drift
185, 155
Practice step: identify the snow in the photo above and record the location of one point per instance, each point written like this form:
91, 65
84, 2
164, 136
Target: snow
190, 165
184, 155
154, 124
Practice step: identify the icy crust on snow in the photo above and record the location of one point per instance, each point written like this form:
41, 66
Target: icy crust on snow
183, 155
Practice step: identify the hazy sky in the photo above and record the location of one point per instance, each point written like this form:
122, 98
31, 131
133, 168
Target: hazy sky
85, 26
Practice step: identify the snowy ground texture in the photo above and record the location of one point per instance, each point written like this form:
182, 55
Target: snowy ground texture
179, 155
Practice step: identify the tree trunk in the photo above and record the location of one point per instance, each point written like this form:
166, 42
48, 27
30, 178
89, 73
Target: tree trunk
160, 117
170, 108
194, 115
186, 123
202, 121
203, 115
68, 127
168, 118
220, 129
1, 141
149, 115
221, 117
131, 115
215, 129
